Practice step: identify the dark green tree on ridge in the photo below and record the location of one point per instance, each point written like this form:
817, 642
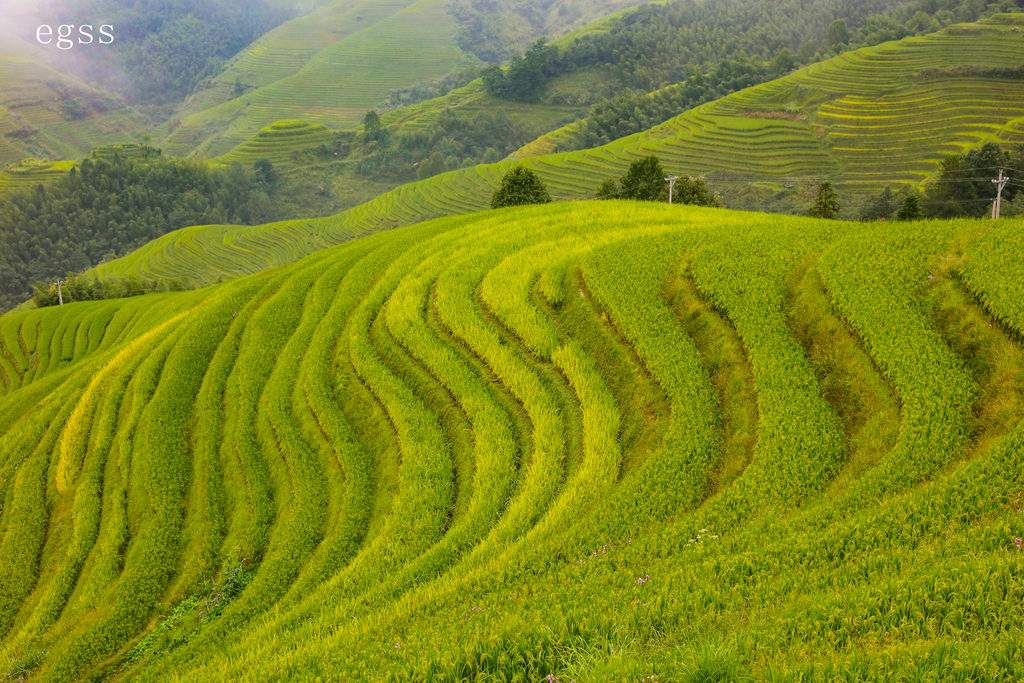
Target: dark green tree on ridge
608, 189
827, 203
520, 186
644, 180
910, 210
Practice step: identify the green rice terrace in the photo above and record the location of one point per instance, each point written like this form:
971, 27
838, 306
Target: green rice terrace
278, 141
866, 120
44, 113
333, 64
29, 172
611, 441
311, 69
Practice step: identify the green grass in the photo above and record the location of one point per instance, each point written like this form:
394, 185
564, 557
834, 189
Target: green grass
867, 119
594, 441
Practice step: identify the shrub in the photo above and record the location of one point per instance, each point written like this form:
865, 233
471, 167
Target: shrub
518, 187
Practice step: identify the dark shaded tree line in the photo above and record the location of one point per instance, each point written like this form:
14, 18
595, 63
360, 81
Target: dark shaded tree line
87, 288
962, 188
644, 180
106, 207
451, 141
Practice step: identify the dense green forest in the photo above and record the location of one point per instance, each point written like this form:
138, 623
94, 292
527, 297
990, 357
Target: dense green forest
452, 141
107, 207
692, 53
163, 48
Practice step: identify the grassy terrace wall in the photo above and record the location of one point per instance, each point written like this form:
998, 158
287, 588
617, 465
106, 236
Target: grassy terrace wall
615, 441
868, 119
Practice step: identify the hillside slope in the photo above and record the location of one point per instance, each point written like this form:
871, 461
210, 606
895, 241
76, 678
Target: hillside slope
582, 441
333, 65
328, 67
46, 114
865, 119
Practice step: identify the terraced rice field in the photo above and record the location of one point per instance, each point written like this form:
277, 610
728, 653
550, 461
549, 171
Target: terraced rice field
31, 172
33, 120
867, 120
581, 442
357, 51
277, 141
874, 116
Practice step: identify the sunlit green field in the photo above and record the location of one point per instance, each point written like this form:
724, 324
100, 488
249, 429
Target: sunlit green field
603, 441
868, 119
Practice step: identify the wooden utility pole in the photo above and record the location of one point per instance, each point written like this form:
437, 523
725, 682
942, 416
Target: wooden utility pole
1000, 183
671, 180
60, 293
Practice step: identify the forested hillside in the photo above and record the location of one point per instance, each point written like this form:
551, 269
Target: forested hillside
349, 56
108, 206
162, 49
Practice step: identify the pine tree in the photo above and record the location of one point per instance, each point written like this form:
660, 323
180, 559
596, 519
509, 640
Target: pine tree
827, 203
910, 209
520, 186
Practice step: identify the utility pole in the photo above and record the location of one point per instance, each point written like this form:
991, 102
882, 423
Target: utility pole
671, 180
1000, 183
60, 294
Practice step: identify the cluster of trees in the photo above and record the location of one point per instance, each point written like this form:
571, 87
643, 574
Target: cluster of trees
164, 49
888, 205
525, 77
84, 288
106, 207
644, 180
904, 205
963, 188
451, 141
520, 186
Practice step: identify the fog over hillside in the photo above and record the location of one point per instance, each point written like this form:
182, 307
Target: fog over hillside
151, 51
